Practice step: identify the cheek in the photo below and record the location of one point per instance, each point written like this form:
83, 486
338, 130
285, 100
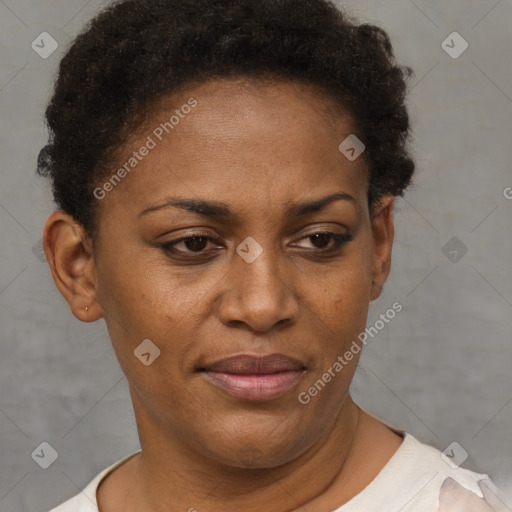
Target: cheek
340, 293
340, 314
132, 287
144, 299
150, 339
337, 307
126, 297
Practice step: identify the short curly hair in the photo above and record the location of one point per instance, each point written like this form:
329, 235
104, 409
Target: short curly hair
135, 52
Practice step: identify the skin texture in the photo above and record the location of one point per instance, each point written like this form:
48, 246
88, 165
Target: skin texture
256, 148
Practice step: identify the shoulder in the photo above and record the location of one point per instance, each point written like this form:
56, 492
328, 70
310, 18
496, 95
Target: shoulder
85, 501
78, 503
446, 464
420, 478
439, 483
454, 497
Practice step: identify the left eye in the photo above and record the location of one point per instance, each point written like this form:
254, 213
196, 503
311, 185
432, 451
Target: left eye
324, 236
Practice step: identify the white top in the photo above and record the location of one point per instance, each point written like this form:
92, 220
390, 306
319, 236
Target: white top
411, 481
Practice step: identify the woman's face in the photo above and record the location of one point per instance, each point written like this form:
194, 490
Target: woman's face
261, 151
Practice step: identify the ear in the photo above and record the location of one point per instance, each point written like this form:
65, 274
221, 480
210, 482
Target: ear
69, 254
383, 234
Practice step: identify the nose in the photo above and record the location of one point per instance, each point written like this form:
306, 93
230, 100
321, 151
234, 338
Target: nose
260, 294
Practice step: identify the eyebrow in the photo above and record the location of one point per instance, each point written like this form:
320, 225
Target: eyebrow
217, 209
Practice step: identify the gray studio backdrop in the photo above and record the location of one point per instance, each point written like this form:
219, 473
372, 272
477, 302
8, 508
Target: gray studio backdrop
440, 369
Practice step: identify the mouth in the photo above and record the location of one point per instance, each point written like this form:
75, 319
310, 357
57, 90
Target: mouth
254, 378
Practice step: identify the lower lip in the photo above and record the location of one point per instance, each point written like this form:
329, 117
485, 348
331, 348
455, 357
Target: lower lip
255, 386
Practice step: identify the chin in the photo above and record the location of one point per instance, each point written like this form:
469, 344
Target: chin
251, 456
263, 451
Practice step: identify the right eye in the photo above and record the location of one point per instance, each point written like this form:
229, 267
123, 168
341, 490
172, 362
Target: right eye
192, 246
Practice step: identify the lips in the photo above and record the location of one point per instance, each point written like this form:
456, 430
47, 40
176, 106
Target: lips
251, 377
247, 364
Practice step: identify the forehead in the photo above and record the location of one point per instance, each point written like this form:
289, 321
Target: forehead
244, 142
257, 102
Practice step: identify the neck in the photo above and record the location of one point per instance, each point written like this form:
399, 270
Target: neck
169, 475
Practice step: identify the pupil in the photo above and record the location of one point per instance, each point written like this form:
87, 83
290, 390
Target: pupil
194, 245
320, 236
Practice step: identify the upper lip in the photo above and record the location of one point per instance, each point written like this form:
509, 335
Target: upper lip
251, 364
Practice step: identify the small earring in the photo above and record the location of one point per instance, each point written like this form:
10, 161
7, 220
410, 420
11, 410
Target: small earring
86, 308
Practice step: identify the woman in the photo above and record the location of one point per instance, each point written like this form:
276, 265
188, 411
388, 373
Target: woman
225, 175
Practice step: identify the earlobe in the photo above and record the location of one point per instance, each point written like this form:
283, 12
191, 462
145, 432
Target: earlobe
383, 235
72, 265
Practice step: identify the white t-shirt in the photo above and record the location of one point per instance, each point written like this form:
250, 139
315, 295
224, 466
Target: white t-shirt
411, 481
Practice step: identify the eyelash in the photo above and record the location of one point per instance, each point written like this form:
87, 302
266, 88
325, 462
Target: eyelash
340, 239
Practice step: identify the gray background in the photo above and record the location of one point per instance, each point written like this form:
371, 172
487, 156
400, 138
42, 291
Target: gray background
440, 369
